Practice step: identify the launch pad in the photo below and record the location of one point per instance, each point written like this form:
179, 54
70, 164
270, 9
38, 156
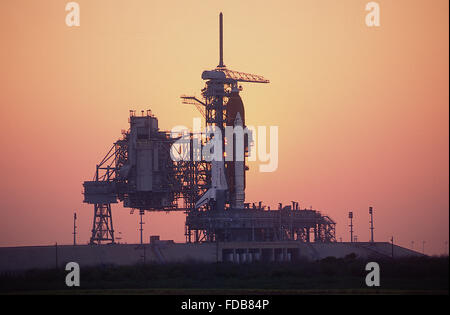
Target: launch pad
140, 170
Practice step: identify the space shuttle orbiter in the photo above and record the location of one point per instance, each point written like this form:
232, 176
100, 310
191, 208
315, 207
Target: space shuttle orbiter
218, 189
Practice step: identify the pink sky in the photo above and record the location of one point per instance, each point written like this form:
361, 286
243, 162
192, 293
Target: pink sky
362, 112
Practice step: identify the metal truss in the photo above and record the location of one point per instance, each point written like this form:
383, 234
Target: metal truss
102, 229
259, 225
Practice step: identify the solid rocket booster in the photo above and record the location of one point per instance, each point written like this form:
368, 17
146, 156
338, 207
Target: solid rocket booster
239, 174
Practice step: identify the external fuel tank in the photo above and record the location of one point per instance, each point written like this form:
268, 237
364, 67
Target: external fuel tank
235, 170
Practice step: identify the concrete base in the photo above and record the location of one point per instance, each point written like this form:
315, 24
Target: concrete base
47, 257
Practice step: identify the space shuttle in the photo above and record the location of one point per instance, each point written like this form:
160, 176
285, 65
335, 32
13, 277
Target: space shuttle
228, 177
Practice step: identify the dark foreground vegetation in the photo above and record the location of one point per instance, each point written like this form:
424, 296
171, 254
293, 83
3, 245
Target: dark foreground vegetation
330, 275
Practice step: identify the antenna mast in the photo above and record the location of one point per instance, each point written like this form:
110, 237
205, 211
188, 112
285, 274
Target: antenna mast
221, 65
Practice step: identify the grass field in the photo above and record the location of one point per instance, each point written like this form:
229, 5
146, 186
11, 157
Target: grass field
328, 276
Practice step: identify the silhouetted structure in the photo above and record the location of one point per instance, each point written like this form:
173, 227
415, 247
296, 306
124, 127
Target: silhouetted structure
140, 172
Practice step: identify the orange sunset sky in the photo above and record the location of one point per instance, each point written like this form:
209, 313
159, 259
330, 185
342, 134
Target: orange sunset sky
362, 112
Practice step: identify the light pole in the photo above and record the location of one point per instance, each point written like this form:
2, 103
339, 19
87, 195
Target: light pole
350, 216
371, 223
74, 228
392, 248
141, 214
